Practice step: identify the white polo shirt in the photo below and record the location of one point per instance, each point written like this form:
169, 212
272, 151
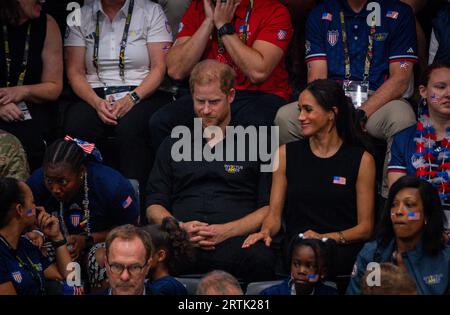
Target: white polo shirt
148, 25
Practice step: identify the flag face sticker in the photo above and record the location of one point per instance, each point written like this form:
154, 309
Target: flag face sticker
17, 276
327, 16
413, 216
434, 98
75, 219
332, 37
313, 277
30, 212
392, 14
339, 180
127, 202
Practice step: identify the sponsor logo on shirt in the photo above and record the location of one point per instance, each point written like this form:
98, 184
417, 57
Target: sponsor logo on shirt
379, 37
392, 14
17, 276
282, 34
233, 169
339, 180
433, 279
332, 37
410, 50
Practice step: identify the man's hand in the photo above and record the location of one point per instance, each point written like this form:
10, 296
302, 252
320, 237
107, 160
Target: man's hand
10, 113
77, 244
13, 94
122, 106
255, 237
104, 111
224, 12
213, 234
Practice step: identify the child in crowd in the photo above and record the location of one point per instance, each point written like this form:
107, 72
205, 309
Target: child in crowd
172, 247
309, 266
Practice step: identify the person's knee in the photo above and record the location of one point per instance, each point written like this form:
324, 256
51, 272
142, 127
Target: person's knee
285, 114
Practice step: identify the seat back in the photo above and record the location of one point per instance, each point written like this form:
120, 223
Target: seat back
255, 288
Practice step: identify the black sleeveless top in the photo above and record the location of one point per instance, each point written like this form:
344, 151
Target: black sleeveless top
321, 192
17, 36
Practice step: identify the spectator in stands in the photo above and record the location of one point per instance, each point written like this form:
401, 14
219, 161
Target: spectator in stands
326, 181
116, 60
424, 149
309, 263
172, 251
393, 280
31, 76
250, 36
13, 160
376, 55
218, 282
129, 253
218, 201
88, 198
440, 37
410, 235
174, 10
23, 269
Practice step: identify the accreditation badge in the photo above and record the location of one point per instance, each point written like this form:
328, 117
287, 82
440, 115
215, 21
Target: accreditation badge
24, 109
113, 97
358, 91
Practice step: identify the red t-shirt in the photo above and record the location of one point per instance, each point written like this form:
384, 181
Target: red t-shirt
269, 21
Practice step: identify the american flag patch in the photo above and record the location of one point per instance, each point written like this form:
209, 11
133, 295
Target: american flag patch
327, 16
281, 35
339, 180
17, 276
392, 14
127, 202
413, 216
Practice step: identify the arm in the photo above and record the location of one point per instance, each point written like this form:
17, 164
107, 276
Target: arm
7, 288
272, 222
317, 69
393, 88
52, 72
156, 213
365, 202
399, 155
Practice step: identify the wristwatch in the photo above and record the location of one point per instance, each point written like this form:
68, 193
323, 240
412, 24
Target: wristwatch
134, 97
361, 116
226, 29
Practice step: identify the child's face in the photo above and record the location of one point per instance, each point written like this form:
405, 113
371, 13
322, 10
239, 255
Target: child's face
303, 265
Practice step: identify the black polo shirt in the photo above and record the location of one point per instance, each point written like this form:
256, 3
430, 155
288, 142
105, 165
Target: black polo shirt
214, 192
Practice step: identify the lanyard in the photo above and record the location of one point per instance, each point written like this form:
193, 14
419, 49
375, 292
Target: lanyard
244, 34
123, 42
8, 56
369, 54
31, 268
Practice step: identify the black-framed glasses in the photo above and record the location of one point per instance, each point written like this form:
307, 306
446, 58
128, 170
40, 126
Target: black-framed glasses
134, 269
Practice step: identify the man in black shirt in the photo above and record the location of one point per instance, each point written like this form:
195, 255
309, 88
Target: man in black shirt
218, 198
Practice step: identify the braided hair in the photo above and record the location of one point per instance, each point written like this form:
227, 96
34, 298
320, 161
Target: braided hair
65, 152
175, 241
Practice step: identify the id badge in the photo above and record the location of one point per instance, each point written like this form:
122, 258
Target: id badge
115, 96
24, 108
358, 91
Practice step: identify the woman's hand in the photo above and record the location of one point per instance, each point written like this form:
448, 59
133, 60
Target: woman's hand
77, 244
255, 237
10, 113
312, 234
13, 94
36, 238
122, 107
104, 111
48, 224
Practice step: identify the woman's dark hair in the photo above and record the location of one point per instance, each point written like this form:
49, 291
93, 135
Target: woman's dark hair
427, 73
175, 241
66, 152
10, 193
324, 250
434, 215
9, 11
329, 94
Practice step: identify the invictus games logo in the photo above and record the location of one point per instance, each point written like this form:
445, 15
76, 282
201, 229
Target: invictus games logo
241, 144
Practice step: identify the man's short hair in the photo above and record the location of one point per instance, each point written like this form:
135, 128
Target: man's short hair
393, 281
208, 71
219, 282
129, 232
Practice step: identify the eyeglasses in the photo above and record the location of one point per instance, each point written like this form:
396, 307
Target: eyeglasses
133, 270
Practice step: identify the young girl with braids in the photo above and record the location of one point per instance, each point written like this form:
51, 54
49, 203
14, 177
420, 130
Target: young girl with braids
172, 250
90, 198
423, 150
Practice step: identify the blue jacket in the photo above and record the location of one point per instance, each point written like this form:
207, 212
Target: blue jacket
441, 25
430, 273
284, 288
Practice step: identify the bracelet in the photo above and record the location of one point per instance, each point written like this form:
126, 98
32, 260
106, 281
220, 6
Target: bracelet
57, 244
342, 239
39, 232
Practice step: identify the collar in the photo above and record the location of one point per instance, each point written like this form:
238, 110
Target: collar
291, 285
348, 11
97, 6
143, 293
241, 10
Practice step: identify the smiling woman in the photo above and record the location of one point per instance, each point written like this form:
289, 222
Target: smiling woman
410, 235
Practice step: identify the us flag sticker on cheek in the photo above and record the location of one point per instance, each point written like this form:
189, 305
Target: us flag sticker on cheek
413, 216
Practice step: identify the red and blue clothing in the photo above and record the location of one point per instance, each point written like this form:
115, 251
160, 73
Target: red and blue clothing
394, 39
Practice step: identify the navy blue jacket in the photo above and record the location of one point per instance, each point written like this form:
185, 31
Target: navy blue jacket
284, 288
430, 273
441, 27
167, 285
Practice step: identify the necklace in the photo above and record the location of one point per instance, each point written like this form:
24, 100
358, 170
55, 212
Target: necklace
431, 159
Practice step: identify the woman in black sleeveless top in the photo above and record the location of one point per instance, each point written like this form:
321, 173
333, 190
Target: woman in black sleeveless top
31, 73
325, 182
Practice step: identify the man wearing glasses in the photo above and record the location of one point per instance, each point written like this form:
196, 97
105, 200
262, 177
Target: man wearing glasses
128, 258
